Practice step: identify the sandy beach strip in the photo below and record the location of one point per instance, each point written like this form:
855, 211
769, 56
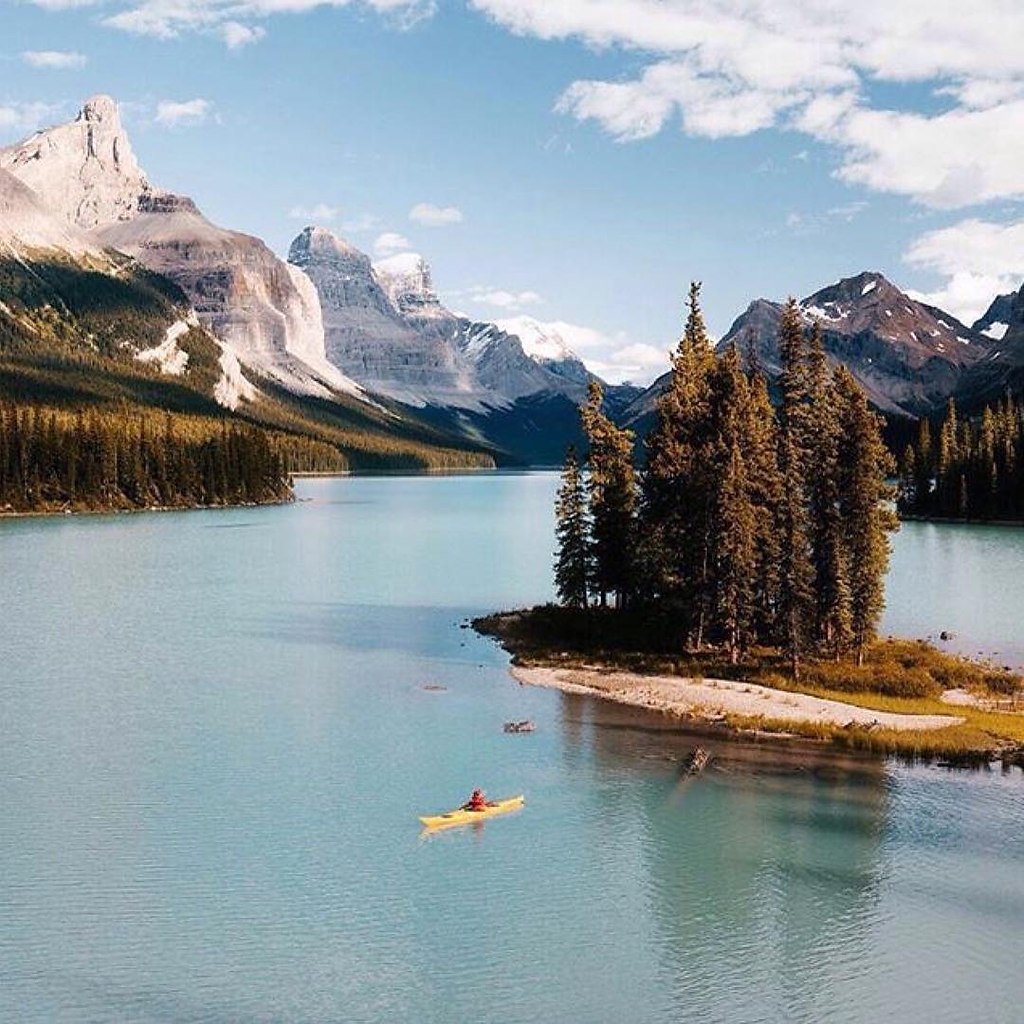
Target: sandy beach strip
712, 699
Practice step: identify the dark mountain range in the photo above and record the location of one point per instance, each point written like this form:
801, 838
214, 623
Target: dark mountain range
908, 356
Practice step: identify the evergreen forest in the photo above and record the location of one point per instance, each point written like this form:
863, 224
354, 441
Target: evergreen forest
749, 523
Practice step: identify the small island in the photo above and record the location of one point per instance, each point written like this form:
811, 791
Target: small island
737, 580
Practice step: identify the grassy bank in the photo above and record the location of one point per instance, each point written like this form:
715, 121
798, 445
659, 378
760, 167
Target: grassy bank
898, 676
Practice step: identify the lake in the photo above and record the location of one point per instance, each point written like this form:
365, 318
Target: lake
217, 730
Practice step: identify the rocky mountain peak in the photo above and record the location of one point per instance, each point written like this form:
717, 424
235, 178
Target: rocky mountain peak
543, 342
546, 345
1004, 317
907, 355
100, 108
84, 169
856, 298
407, 281
318, 245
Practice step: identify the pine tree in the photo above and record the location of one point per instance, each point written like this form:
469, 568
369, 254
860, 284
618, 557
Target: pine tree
864, 503
677, 496
735, 553
796, 569
572, 566
948, 467
761, 455
831, 586
612, 498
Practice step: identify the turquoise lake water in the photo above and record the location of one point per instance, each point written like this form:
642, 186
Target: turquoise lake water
215, 741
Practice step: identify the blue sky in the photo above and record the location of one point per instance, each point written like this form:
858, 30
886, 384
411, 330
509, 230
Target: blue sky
575, 160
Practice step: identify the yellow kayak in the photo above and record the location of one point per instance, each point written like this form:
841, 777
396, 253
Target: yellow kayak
462, 817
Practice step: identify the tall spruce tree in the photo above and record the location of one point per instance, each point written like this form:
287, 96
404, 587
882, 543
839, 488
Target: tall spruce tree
735, 555
612, 496
761, 454
677, 502
572, 565
831, 584
796, 568
864, 500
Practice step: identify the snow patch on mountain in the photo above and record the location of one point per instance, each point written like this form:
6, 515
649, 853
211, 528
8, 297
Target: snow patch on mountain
996, 331
167, 356
232, 388
541, 341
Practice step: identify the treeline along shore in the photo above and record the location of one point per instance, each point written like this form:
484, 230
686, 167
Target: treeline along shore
973, 470
751, 545
124, 458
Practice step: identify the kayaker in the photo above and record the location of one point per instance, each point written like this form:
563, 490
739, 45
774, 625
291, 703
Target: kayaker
477, 802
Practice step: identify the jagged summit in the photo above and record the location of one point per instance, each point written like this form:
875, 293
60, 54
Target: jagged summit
317, 244
84, 169
545, 344
907, 355
266, 311
1005, 316
407, 280
100, 108
539, 340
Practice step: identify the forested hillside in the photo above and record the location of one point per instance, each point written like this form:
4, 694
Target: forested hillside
112, 350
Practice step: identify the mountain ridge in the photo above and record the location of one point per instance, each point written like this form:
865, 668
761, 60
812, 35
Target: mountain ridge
908, 356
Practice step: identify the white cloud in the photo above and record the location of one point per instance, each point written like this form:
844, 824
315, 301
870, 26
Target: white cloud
178, 113
390, 242
24, 116
613, 356
432, 216
236, 35
57, 60
236, 22
979, 260
320, 213
638, 363
730, 67
955, 159
499, 298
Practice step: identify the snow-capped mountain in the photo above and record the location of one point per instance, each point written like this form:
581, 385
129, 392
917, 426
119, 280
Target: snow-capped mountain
387, 329
1003, 365
407, 280
84, 170
518, 390
1004, 318
908, 356
383, 324
264, 310
545, 344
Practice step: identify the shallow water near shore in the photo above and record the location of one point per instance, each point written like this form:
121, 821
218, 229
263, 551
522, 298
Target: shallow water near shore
216, 734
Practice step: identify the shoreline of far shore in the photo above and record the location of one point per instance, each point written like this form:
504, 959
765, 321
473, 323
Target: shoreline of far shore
68, 513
